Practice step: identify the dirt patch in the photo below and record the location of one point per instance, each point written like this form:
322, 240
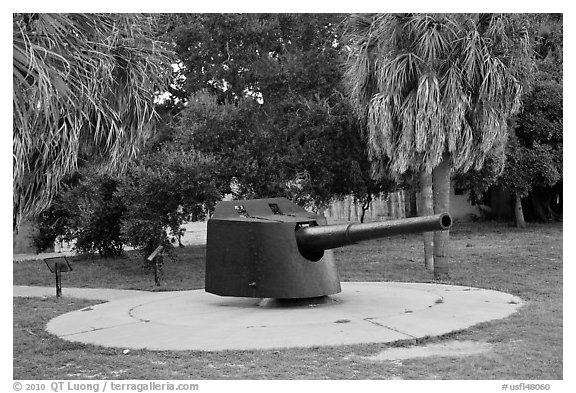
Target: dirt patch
452, 348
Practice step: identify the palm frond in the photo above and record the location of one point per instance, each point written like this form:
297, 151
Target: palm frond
433, 36
404, 156
83, 84
399, 74
360, 81
381, 125
438, 84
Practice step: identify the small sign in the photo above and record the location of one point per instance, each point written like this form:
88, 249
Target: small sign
158, 260
60, 262
57, 265
155, 253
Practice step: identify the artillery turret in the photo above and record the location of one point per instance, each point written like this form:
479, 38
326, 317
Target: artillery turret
273, 248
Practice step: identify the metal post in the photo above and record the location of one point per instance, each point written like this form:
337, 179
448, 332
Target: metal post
158, 264
156, 272
58, 281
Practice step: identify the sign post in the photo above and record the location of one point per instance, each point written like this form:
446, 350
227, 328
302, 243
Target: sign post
57, 265
158, 260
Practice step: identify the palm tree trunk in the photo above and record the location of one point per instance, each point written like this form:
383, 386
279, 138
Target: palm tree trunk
427, 209
518, 212
441, 180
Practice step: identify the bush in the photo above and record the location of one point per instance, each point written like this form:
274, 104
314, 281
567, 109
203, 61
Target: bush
85, 210
144, 208
51, 224
96, 222
162, 191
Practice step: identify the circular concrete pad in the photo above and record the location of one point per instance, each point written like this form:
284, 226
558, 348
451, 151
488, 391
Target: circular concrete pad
362, 313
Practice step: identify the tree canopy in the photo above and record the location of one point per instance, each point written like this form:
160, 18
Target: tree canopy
429, 84
265, 98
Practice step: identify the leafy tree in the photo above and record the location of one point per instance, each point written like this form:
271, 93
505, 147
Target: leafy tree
478, 182
96, 222
143, 208
84, 86
311, 159
160, 191
261, 55
237, 135
54, 222
87, 211
265, 99
331, 150
534, 156
435, 93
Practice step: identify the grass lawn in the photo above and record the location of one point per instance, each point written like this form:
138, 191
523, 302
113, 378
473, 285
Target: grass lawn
527, 345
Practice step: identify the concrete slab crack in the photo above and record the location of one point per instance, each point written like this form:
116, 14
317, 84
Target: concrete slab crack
371, 320
94, 329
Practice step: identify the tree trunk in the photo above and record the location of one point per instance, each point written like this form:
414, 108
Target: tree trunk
427, 209
365, 206
441, 181
518, 212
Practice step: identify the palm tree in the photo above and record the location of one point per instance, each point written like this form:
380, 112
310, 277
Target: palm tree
83, 88
435, 93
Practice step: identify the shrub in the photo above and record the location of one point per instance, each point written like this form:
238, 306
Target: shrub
87, 211
162, 191
144, 208
97, 220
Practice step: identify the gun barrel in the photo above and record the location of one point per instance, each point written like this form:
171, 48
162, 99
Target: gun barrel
318, 238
